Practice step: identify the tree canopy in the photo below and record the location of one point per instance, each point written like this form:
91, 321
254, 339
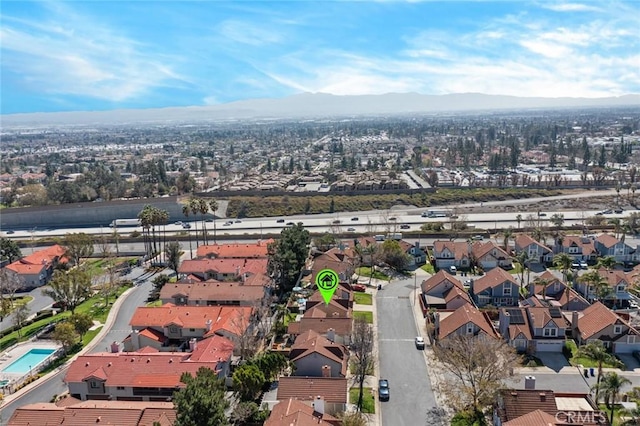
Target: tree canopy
69, 288
248, 380
476, 368
201, 402
394, 256
287, 256
9, 250
79, 245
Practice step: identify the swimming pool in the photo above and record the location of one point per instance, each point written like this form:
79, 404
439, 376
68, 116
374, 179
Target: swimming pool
28, 361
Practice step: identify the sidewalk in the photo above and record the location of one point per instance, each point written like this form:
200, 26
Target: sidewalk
113, 313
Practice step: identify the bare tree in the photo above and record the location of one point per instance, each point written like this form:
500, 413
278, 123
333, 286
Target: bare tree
476, 368
10, 282
362, 352
246, 342
20, 315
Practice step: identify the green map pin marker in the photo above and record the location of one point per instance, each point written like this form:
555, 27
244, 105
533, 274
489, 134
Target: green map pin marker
327, 281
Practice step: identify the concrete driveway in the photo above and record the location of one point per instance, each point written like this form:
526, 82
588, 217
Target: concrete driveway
553, 360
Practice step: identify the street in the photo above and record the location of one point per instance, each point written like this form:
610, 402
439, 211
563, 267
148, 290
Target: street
411, 395
38, 303
54, 385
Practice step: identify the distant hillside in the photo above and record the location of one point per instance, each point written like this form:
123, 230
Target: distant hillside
308, 105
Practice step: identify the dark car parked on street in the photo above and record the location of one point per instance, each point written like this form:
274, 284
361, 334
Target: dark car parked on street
383, 390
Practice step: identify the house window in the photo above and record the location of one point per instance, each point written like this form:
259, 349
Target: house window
550, 332
192, 330
507, 290
173, 329
617, 329
620, 288
120, 387
591, 289
469, 328
95, 385
573, 250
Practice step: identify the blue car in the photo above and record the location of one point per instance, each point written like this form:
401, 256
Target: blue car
383, 390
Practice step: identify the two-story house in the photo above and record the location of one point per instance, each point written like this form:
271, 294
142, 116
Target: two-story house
533, 329
579, 248
333, 321
598, 322
316, 356
451, 253
146, 375
169, 327
416, 254
614, 290
444, 291
36, 269
497, 287
257, 250
222, 269
211, 293
536, 251
489, 255
608, 245
465, 321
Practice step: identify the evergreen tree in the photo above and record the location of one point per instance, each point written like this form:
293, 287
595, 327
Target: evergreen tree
202, 401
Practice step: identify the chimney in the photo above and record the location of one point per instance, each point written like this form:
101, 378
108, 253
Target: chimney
207, 325
318, 405
529, 382
193, 344
326, 371
135, 340
574, 320
115, 347
331, 335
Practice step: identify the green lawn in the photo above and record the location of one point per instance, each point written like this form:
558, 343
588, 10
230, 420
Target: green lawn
155, 303
290, 317
428, 267
368, 402
97, 267
365, 271
585, 362
19, 301
93, 306
368, 316
363, 298
352, 368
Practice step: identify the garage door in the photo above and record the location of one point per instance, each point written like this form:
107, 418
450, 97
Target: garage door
549, 346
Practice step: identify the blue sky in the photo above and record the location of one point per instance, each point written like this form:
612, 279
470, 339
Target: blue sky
98, 55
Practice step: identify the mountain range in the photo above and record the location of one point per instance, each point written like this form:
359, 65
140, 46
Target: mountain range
318, 105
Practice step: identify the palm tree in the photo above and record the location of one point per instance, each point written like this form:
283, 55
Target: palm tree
617, 226
539, 235
145, 222
203, 208
568, 284
185, 212
563, 261
519, 220
522, 259
194, 205
507, 234
213, 205
595, 280
607, 262
610, 386
163, 220
596, 352
544, 283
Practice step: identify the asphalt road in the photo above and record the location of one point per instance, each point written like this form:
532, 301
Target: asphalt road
118, 331
401, 363
38, 303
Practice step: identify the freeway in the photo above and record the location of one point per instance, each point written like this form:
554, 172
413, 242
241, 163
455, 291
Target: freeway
45, 389
364, 221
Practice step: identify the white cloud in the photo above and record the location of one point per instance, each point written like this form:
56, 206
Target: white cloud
88, 59
571, 7
546, 49
248, 33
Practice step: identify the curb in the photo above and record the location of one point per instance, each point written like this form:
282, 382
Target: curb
113, 313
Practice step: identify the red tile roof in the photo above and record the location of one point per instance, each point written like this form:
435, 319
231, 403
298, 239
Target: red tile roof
492, 279
534, 418
235, 251
21, 268
459, 249
214, 291
596, 318
332, 389
83, 413
607, 240
46, 256
460, 317
224, 266
212, 349
135, 369
516, 330
524, 240
293, 412
585, 244
311, 343
231, 318
436, 279
480, 250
